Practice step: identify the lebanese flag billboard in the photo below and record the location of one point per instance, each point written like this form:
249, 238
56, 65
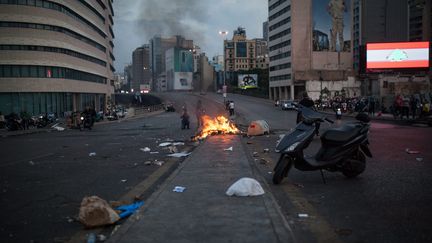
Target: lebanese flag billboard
397, 55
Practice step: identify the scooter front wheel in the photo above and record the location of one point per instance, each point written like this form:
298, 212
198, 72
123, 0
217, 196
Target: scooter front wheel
281, 169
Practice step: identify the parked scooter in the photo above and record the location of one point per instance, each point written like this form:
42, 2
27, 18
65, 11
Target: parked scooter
342, 149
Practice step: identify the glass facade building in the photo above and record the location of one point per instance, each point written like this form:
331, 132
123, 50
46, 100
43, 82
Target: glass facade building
55, 56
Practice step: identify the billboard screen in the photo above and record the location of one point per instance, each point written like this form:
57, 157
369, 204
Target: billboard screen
248, 81
331, 25
397, 55
182, 81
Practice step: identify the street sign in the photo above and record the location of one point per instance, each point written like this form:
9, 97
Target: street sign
224, 95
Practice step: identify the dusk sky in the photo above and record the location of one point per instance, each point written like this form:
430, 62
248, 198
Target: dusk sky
135, 22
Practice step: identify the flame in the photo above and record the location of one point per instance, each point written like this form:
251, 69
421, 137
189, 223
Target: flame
218, 125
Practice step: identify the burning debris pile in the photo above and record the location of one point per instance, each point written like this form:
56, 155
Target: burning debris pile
218, 125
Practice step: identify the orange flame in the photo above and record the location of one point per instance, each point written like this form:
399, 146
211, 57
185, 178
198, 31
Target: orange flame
218, 125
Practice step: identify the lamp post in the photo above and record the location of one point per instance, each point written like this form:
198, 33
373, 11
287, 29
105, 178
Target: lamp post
224, 33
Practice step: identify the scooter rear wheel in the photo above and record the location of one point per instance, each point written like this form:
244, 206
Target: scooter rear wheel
281, 169
355, 165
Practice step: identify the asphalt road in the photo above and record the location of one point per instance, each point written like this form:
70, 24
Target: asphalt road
389, 202
44, 176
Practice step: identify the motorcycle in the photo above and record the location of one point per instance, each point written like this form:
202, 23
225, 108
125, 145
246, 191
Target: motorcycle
342, 149
14, 122
86, 121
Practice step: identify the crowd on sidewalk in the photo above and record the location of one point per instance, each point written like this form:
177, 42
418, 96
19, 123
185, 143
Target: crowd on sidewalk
414, 106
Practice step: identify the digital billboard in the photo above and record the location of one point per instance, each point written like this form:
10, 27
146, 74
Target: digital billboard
331, 25
397, 55
182, 81
248, 81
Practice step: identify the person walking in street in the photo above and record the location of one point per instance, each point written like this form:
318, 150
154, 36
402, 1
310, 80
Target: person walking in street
405, 107
199, 112
413, 104
184, 120
231, 108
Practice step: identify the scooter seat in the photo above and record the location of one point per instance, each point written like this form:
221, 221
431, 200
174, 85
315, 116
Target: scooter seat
341, 134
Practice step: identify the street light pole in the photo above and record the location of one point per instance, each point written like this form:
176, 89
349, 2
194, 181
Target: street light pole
224, 34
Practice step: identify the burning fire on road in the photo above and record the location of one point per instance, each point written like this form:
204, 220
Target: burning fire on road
213, 126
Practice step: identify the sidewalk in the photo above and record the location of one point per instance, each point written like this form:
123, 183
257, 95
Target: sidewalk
382, 117
203, 213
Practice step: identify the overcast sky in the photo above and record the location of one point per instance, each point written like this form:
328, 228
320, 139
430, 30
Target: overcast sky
135, 22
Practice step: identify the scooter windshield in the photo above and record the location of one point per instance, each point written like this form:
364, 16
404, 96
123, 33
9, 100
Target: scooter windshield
310, 114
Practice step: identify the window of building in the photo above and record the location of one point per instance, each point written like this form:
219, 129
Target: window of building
53, 49
54, 28
60, 8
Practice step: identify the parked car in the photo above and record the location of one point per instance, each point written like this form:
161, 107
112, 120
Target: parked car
288, 104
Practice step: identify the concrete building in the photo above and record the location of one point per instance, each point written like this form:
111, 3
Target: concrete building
420, 23
141, 68
265, 30
196, 56
382, 21
55, 56
218, 62
309, 41
128, 77
218, 67
239, 52
179, 69
205, 77
377, 21
158, 48
261, 51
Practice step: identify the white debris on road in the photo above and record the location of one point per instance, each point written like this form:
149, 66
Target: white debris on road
146, 149
165, 144
178, 155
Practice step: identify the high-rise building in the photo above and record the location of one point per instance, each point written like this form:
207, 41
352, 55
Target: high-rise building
377, 21
179, 69
55, 56
128, 77
141, 68
420, 24
158, 47
309, 48
265, 30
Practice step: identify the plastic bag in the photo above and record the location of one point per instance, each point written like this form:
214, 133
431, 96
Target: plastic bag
245, 187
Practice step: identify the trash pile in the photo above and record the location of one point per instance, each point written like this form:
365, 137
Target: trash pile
95, 212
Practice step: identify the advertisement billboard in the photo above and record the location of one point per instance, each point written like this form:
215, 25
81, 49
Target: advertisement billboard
331, 25
183, 81
397, 55
248, 81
